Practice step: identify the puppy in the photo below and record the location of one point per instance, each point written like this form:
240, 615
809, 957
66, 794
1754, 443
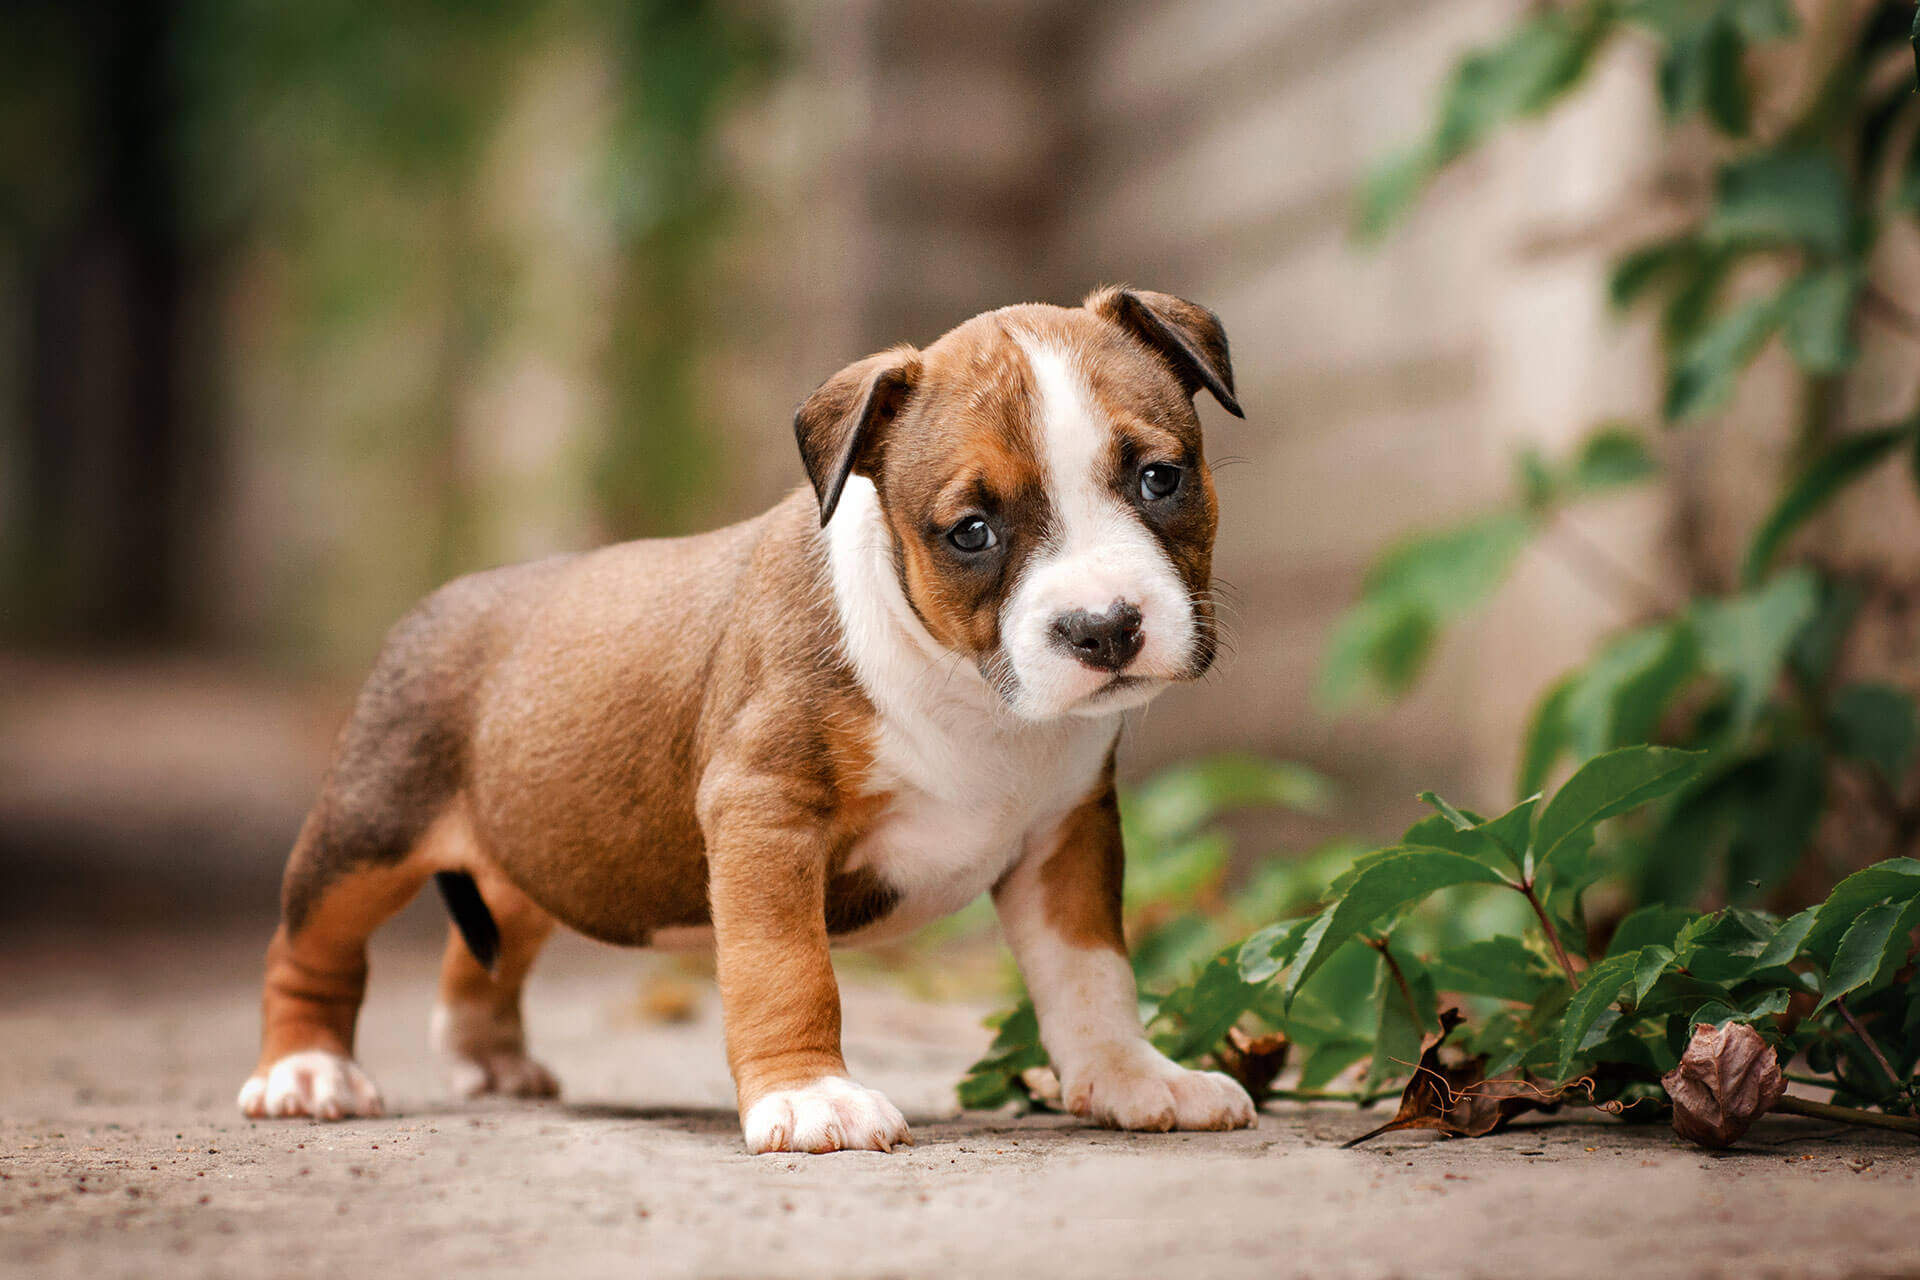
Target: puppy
827, 725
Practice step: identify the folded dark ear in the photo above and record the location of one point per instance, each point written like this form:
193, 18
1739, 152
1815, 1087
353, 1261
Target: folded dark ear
1186, 333
841, 425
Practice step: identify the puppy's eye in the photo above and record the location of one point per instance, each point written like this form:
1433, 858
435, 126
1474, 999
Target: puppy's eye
1161, 480
972, 534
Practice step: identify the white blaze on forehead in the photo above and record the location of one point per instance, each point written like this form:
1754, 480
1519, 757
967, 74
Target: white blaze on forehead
1099, 552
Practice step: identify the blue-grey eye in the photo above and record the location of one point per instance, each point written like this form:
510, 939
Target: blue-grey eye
1161, 480
972, 534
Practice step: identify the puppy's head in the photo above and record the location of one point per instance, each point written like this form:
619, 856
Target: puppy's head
1041, 474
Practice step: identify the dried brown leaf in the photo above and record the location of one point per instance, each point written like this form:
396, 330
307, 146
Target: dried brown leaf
1255, 1061
1728, 1078
1457, 1099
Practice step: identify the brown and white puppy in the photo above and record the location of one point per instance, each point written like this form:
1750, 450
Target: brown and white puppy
829, 724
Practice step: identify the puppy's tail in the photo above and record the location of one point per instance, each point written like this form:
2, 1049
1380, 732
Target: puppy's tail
470, 915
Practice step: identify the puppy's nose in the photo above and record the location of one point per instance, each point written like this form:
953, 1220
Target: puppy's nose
1104, 641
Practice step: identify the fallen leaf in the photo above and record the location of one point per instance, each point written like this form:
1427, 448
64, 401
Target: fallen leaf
1458, 1100
1728, 1078
1255, 1061
1043, 1087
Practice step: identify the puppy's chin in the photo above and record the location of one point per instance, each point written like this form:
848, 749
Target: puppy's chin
1109, 697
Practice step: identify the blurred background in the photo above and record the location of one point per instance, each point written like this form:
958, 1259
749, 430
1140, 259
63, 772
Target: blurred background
306, 308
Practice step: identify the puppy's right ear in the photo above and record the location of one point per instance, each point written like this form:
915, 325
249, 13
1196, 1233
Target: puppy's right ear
843, 424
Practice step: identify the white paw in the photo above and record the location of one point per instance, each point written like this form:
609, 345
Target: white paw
831, 1114
486, 1058
314, 1083
1136, 1087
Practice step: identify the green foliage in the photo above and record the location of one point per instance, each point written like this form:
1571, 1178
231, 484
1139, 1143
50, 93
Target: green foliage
1362, 977
1382, 645
1714, 737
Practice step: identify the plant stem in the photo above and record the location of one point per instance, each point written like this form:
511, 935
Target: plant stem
1553, 935
1815, 1081
1893, 1077
1608, 575
1793, 1106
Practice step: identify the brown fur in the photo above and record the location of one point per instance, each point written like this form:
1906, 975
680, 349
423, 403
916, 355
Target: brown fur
663, 733
1082, 879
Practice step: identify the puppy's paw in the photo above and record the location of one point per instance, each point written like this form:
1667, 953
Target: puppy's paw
831, 1114
485, 1058
313, 1083
1136, 1087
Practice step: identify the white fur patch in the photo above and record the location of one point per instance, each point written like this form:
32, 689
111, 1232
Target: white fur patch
1102, 554
312, 1083
831, 1114
484, 1057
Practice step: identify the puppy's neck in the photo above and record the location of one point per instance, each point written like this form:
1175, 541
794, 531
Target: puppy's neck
904, 671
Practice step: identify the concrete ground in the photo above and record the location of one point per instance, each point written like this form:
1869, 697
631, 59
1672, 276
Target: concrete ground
121, 1154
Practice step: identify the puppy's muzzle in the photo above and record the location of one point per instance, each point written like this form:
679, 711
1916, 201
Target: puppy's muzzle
1105, 641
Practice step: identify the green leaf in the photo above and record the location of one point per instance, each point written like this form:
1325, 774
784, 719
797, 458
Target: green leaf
1657, 923
1500, 842
1745, 639
1271, 949
1724, 75
1612, 457
1599, 987
1764, 20
1776, 802
1877, 723
1459, 821
1382, 644
1389, 190
1896, 880
1654, 961
1860, 951
1818, 313
1385, 638
1651, 263
1179, 801
1846, 462
1606, 786
1452, 570
1403, 1016
1197, 1015
1785, 943
1395, 879
1546, 736
1790, 196
1704, 375
1326, 1063
1618, 699
1502, 967
1723, 947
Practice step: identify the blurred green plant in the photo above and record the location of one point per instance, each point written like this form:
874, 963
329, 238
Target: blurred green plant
1762, 739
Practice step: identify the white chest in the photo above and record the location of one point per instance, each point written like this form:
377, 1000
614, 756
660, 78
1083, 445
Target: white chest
963, 809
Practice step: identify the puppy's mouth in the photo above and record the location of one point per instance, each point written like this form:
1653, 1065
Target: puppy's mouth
1123, 684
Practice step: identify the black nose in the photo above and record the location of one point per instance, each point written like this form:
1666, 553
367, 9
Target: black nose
1104, 641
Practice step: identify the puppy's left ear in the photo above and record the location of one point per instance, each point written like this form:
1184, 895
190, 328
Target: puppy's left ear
1187, 334
843, 424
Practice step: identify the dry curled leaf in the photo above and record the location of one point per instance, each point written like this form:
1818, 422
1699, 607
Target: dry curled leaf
1728, 1078
1043, 1087
1456, 1099
1255, 1061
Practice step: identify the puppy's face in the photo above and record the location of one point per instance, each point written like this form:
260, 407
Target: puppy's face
1042, 474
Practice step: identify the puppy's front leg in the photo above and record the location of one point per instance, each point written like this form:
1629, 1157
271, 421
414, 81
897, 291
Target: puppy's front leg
767, 873
1060, 907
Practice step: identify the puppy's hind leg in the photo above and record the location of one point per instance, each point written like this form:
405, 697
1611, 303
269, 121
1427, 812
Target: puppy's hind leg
316, 978
477, 1024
